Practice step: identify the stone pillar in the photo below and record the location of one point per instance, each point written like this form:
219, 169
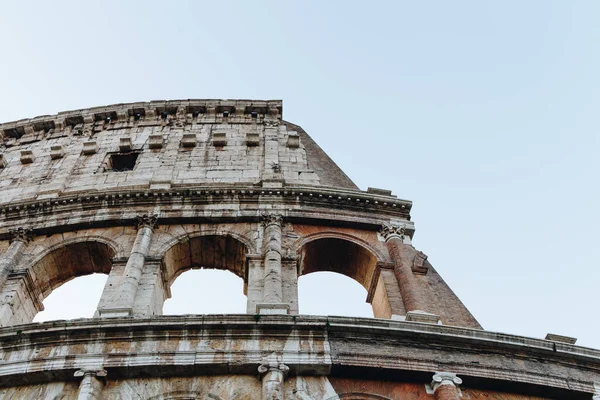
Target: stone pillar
152, 290
445, 386
272, 302
18, 240
255, 283
289, 264
124, 299
273, 375
400, 253
385, 296
91, 385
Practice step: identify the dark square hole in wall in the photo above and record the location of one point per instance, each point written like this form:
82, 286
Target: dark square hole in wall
118, 162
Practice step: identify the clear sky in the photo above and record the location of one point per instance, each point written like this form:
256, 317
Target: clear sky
485, 114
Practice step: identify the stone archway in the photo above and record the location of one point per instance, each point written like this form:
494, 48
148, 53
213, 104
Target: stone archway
26, 288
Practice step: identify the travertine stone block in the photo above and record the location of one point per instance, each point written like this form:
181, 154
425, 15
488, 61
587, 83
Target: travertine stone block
422, 316
90, 147
252, 139
219, 139
27, 157
155, 141
125, 144
293, 141
56, 152
559, 338
189, 140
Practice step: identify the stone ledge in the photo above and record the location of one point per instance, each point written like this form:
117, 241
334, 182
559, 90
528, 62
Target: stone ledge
336, 342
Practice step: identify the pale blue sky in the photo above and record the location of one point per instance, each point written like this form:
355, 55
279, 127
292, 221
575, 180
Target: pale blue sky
484, 114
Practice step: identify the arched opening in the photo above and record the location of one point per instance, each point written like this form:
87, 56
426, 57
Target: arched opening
206, 291
77, 298
324, 291
26, 291
219, 285
330, 293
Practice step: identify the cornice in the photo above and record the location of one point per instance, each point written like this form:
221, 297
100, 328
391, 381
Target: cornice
375, 337
350, 202
179, 112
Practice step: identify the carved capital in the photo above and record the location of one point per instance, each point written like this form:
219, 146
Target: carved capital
150, 221
390, 231
445, 378
24, 235
96, 373
270, 219
267, 366
271, 123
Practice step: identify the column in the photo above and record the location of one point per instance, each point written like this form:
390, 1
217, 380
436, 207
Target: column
18, 240
152, 289
124, 297
445, 386
272, 302
91, 385
273, 375
399, 251
289, 265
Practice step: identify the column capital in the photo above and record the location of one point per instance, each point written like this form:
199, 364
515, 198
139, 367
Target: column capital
392, 231
24, 235
97, 373
444, 378
271, 219
267, 366
146, 220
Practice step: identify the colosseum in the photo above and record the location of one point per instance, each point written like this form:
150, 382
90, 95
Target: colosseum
143, 192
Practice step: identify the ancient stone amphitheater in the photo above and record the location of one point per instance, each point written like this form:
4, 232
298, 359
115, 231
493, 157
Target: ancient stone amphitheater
143, 192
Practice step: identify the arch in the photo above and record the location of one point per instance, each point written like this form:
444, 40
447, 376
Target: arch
243, 238
205, 251
116, 248
27, 287
339, 253
68, 260
299, 244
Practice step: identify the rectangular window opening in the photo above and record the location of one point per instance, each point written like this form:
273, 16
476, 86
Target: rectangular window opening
119, 162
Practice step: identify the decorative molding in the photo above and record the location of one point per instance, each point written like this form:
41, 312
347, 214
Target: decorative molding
24, 235
146, 220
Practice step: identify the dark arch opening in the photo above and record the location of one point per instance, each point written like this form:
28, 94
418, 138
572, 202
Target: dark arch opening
54, 269
210, 252
343, 257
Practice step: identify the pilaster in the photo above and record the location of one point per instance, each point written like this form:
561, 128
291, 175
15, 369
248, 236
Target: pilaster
272, 302
19, 238
444, 386
92, 382
273, 374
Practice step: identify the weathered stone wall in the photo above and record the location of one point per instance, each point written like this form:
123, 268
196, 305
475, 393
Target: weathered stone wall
143, 192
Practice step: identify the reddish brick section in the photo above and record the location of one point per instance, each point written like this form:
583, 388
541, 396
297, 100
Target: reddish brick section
447, 392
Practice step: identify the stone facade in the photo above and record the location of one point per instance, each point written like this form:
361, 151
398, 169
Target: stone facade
143, 192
